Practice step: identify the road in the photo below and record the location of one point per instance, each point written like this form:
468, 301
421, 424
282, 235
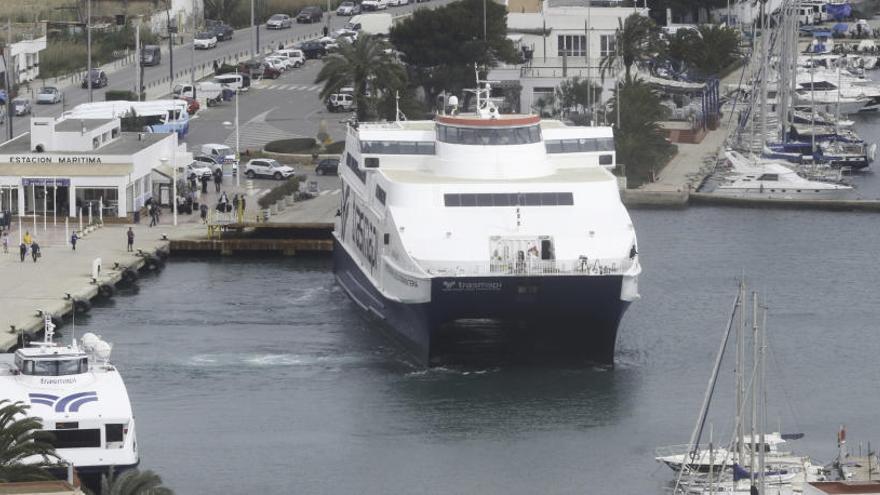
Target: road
241, 42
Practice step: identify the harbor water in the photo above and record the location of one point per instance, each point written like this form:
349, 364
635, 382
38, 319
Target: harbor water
260, 376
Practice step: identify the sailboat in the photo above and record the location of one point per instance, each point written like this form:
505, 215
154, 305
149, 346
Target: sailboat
749, 458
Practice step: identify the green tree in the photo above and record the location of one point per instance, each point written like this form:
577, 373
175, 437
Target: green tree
710, 50
368, 68
442, 45
641, 146
577, 94
134, 482
223, 10
21, 438
637, 39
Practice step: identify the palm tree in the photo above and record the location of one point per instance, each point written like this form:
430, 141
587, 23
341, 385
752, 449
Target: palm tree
134, 482
640, 143
364, 65
636, 40
19, 440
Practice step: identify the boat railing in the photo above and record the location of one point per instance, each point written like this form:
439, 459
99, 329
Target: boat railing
530, 266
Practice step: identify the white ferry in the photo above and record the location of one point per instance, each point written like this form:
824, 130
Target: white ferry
79, 397
486, 216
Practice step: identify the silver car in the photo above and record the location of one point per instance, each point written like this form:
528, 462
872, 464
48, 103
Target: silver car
279, 21
48, 95
21, 106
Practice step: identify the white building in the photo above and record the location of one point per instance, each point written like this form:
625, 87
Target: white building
65, 164
24, 54
566, 38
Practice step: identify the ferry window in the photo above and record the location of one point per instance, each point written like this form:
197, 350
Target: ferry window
352, 164
506, 199
581, 145
113, 432
606, 159
44, 368
380, 194
488, 136
484, 200
407, 148
452, 199
397, 147
769, 177
68, 367
468, 200
71, 439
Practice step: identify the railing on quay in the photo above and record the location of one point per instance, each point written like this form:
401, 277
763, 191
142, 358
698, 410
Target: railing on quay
530, 266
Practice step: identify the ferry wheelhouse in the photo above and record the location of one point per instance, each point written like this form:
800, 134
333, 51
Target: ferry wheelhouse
80, 398
486, 216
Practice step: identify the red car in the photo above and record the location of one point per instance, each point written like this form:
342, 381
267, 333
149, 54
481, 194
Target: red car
258, 70
192, 104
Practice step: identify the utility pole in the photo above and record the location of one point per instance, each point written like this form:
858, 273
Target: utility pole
171, 30
192, 59
7, 63
89, 47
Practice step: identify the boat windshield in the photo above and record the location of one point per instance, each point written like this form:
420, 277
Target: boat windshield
490, 136
53, 367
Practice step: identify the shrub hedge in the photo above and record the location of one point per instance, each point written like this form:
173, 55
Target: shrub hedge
288, 187
304, 146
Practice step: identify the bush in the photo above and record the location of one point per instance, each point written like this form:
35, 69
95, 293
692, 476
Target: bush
119, 94
305, 146
288, 187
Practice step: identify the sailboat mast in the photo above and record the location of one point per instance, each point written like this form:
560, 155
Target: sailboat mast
754, 422
740, 362
765, 59
763, 390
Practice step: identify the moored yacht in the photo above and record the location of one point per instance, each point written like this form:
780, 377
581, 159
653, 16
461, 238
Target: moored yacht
79, 397
486, 216
769, 180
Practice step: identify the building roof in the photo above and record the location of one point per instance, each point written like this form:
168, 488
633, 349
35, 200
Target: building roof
127, 143
857, 487
77, 125
38, 487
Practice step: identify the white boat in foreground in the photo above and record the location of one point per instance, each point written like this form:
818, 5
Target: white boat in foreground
769, 180
79, 397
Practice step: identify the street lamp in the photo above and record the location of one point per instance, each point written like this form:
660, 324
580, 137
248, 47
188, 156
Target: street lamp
228, 124
89, 47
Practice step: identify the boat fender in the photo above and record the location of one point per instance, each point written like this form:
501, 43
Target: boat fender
129, 276
81, 306
106, 291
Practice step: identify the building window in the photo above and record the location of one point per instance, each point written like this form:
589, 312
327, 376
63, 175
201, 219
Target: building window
572, 45
607, 45
380, 194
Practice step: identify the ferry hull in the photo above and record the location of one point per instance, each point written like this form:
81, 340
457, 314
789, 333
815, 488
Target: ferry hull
579, 313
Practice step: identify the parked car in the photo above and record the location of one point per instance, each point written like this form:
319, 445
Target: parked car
197, 170
48, 95
393, 3
208, 161
257, 69
295, 57
151, 55
328, 166
340, 102
21, 106
313, 49
345, 8
368, 5
267, 167
278, 63
223, 32
205, 40
98, 77
279, 21
310, 14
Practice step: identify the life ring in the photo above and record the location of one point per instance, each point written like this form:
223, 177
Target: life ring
106, 291
81, 306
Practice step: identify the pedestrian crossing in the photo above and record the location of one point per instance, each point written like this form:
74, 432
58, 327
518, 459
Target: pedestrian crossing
255, 135
272, 86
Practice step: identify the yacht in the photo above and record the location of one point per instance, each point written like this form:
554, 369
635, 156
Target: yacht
79, 397
770, 180
485, 216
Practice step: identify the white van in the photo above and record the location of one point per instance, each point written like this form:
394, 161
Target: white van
240, 82
296, 57
221, 154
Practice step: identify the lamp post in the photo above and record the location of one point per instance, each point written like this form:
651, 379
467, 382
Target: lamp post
174, 179
253, 36
89, 47
192, 57
228, 124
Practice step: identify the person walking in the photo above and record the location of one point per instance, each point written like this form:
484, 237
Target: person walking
22, 250
73, 239
5, 242
130, 236
204, 185
152, 215
218, 179
203, 210
35, 251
